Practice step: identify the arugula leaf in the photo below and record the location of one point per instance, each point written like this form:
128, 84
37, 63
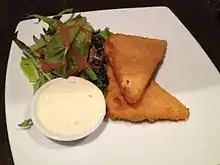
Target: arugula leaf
82, 39
25, 49
50, 21
77, 24
47, 38
73, 21
41, 81
60, 72
96, 32
102, 81
98, 39
69, 19
23, 46
82, 43
39, 44
29, 70
50, 31
26, 124
36, 63
36, 86
91, 74
29, 55
98, 42
54, 46
105, 33
56, 58
35, 39
65, 11
44, 30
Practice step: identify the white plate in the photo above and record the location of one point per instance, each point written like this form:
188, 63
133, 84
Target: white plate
187, 73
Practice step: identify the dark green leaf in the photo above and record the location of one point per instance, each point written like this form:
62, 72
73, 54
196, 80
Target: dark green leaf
54, 46
44, 30
59, 15
41, 81
69, 19
35, 39
105, 33
36, 63
47, 38
71, 61
98, 42
72, 21
39, 44
50, 21
23, 47
50, 31
26, 124
60, 72
91, 74
59, 57
82, 44
82, 40
95, 32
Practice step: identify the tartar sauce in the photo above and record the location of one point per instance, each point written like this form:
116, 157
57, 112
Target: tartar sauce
69, 106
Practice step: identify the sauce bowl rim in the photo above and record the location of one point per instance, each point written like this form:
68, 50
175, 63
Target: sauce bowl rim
58, 137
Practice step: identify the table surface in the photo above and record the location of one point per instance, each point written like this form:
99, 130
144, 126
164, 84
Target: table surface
199, 16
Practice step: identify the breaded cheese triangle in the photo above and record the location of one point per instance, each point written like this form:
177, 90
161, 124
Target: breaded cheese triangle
155, 104
134, 60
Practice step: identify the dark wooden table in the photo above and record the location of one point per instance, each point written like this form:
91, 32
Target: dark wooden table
198, 16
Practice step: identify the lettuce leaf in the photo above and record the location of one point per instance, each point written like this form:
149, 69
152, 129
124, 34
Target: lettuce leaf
29, 70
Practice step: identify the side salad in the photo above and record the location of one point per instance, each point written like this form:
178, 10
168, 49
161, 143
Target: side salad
65, 49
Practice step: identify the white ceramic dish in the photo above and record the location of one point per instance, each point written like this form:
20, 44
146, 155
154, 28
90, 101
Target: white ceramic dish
72, 137
187, 73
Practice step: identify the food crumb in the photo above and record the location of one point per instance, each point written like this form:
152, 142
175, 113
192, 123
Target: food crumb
76, 122
90, 95
71, 81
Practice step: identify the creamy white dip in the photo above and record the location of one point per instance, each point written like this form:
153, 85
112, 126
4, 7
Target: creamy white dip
69, 106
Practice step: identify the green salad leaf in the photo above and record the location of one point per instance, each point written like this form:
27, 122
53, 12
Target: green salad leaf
35, 39
60, 14
26, 50
41, 81
29, 70
26, 124
83, 40
91, 74
50, 21
105, 33
39, 44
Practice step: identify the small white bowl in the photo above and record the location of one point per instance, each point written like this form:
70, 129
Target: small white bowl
58, 137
